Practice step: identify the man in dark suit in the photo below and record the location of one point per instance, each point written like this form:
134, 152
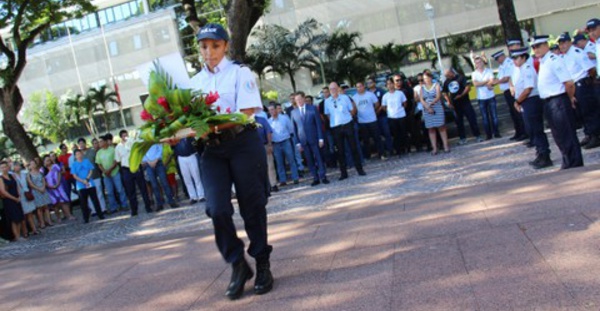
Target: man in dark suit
309, 137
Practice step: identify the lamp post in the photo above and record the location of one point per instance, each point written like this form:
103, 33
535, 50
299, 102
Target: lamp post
430, 12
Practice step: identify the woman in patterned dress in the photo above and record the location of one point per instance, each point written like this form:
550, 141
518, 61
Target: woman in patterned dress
11, 201
434, 112
37, 184
57, 193
28, 206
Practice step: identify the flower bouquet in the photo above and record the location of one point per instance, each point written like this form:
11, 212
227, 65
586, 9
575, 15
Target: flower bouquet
171, 113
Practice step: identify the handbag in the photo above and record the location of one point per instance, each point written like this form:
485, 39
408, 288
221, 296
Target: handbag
29, 195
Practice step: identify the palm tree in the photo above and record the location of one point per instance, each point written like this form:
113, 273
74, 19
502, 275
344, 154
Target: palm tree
390, 55
49, 116
260, 62
345, 59
101, 98
82, 109
456, 49
285, 51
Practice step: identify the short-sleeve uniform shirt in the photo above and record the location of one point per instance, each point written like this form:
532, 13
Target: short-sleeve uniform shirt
577, 64
339, 110
393, 103
523, 78
365, 104
552, 76
505, 70
235, 84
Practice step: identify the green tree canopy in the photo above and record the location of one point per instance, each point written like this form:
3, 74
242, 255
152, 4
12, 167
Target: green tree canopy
25, 21
49, 116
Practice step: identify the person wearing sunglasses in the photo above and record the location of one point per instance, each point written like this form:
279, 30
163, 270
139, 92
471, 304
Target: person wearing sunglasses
557, 89
581, 71
527, 100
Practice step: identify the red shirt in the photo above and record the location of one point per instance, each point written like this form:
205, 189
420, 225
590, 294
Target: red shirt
64, 160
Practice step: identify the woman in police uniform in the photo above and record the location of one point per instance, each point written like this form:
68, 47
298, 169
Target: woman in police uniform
234, 155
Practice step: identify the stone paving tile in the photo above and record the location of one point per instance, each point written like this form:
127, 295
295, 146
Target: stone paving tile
410, 175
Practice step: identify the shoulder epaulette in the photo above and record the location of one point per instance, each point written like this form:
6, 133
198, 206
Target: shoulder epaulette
240, 63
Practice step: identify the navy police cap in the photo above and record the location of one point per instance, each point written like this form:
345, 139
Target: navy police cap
212, 31
593, 23
539, 39
578, 38
564, 37
519, 52
498, 54
510, 42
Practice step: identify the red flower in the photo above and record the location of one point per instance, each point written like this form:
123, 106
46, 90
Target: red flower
186, 109
146, 116
211, 98
218, 108
163, 102
228, 110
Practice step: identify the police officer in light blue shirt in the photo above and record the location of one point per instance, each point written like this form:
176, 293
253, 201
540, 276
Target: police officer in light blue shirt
527, 100
234, 154
578, 64
505, 70
339, 109
557, 89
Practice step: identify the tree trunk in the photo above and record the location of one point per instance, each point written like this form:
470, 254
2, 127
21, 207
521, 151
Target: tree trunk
238, 17
10, 102
292, 80
508, 18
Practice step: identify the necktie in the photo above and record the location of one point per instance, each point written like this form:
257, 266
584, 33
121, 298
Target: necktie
303, 113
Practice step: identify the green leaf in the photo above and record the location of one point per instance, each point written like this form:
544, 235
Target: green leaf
138, 151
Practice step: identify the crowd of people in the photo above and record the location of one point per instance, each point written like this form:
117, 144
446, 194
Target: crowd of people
558, 86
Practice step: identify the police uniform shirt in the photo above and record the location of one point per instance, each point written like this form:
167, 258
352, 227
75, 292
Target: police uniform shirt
235, 84
505, 70
483, 92
552, 76
393, 103
590, 48
523, 78
365, 104
339, 110
576, 64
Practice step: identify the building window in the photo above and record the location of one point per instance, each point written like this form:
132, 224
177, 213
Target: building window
113, 47
137, 42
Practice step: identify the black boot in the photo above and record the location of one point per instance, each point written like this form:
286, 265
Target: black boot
264, 279
241, 273
544, 162
535, 162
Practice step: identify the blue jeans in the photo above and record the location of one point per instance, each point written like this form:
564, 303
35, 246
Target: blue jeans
281, 150
384, 129
112, 183
160, 172
488, 111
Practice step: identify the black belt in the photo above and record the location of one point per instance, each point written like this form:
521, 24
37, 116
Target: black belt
215, 139
280, 142
555, 96
584, 81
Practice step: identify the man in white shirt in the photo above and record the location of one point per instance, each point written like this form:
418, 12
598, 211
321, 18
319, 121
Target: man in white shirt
367, 105
581, 70
557, 89
130, 179
483, 80
505, 71
394, 102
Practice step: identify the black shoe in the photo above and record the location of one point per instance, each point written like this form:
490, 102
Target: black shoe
149, 210
361, 172
282, 184
343, 176
174, 205
535, 162
488, 138
585, 141
274, 189
544, 162
264, 279
522, 137
239, 276
296, 182
498, 136
202, 200
315, 183
593, 143
325, 181
192, 201
528, 144
134, 214
514, 137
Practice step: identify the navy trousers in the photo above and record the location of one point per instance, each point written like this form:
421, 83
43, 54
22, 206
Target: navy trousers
242, 162
561, 119
589, 107
130, 181
345, 134
368, 131
516, 117
314, 161
533, 114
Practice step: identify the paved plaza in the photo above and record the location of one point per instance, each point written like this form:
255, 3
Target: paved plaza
475, 229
